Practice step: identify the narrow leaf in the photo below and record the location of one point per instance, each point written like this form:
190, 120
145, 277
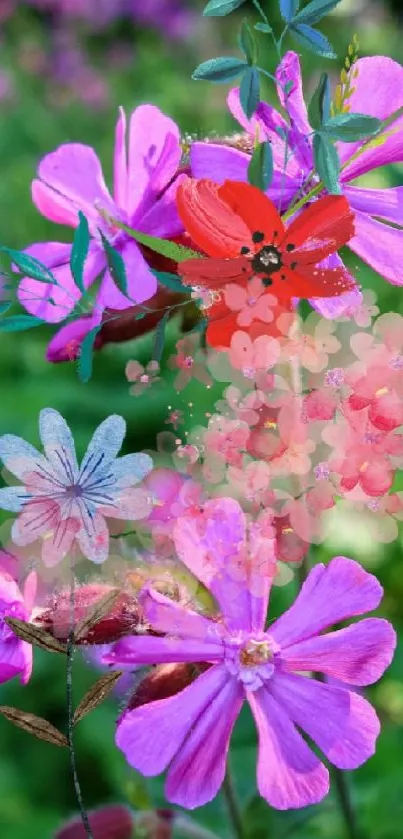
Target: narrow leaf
35, 636
316, 10
171, 281
79, 251
220, 70
260, 169
219, 8
263, 27
319, 106
96, 694
40, 728
178, 253
4, 307
288, 9
249, 91
160, 337
18, 323
327, 163
104, 607
116, 265
351, 127
29, 266
85, 358
312, 40
247, 43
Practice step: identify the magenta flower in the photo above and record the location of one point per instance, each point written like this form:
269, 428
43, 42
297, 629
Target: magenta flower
70, 179
15, 655
376, 241
248, 662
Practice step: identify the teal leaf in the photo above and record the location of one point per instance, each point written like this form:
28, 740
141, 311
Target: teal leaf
219, 8
247, 43
351, 127
5, 305
116, 266
29, 266
220, 70
171, 281
312, 40
18, 323
159, 342
288, 9
263, 27
79, 251
319, 106
327, 163
249, 91
260, 169
315, 11
85, 358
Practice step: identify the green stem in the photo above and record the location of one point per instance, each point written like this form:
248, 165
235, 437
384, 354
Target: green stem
233, 804
345, 803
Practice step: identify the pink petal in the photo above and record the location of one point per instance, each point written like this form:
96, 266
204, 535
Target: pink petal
65, 345
141, 282
357, 655
57, 542
198, 769
173, 719
146, 649
71, 180
131, 505
169, 617
335, 307
95, 544
154, 155
289, 775
383, 203
289, 70
120, 177
380, 246
15, 660
329, 595
340, 722
162, 219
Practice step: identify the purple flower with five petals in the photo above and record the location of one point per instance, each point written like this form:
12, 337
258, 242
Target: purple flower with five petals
378, 92
15, 655
62, 502
263, 666
70, 180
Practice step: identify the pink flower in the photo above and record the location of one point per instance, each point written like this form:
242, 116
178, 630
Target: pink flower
247, 662
253, 303
15, 655
226, 439
143, 377
70, 180
253, 356
191, 363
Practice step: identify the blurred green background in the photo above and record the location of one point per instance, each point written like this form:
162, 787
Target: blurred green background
62, 79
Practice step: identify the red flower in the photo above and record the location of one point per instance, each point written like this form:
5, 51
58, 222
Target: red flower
242, 233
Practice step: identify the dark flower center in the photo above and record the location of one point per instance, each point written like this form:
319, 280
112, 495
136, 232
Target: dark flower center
267, 260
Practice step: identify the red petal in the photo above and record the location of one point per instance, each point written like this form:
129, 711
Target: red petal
214, 273
320, 230
220, 330
211, 223
311, 282
254, 208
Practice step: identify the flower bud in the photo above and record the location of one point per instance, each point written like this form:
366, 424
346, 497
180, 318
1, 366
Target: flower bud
165, 680
111, 822
122, 619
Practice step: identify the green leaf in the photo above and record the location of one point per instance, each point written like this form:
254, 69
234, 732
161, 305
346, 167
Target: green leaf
288, 9
116, 266
160, 337
260, 169
85, 358
263, 27
29, 266
351, 127
249, 91
18, 323
178, 253
171, 281
79, 251
219, 8
220, 70
247, 43
5, 305
316, 10
327, 163
312, 40
319, 106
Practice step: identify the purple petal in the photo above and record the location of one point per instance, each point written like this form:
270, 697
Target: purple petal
289, 774
169, 617
357, 655
385, 76
335, 307
385, 203
265, 121
329, 595
379, 245
145, 649
344, 730
15, 660
173, 719
71, 180
289, 70
154, 156
141, 282
198, 769
120, 176
65, 345
162, 219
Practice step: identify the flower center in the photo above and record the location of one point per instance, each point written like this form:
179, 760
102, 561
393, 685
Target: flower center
255, 652
251, 659
267, 261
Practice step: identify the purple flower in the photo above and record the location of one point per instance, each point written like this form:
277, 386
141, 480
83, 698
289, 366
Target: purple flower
61, 502
70, 179
15, 655
378, 91
248, 662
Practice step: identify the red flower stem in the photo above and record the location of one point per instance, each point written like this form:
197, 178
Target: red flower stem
234, 809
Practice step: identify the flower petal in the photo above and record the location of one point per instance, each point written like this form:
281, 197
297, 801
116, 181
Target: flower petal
335, 307
58, 443
12, 498
329, 595
145, 649
255, 209
289, 73
322, 228
65, 344
94, 543
131, 468
383, 203
380, 246
162, 219
357, 742
120, 177
19, 457
171, 618
15, 660
141, 282
289, 774
105, 444
214, 226
154, 156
